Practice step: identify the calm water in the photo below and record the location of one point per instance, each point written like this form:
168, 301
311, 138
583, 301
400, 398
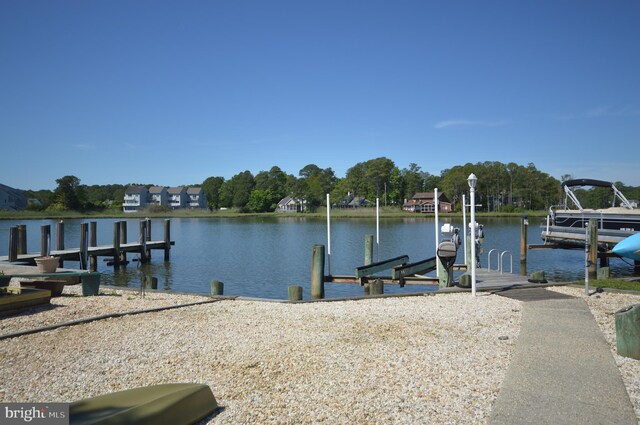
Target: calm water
261, 257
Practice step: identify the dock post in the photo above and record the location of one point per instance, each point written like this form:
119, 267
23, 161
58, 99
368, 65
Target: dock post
143, 241
116, 245
45, 240
93, 241
123, 239
368, 249
60, 235
376, 287
22, 238
295, 293
13, 244
593, 249
317, 272
523, 244
167, 238
84, 246
217, 288
148, 224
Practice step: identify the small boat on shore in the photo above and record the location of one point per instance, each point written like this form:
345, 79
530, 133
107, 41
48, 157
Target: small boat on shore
629, 247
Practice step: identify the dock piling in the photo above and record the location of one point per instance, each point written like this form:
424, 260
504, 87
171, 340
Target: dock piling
217, 288
116, 245
317, 272
593, 249
143, 241
148, 233
368, 249
84, 246
295, 293
123, 240
523, 244
60, 235
13, 244
45, 240
167, 238
93, 241
22, 238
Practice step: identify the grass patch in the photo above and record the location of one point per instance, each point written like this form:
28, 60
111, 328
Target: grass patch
627, 285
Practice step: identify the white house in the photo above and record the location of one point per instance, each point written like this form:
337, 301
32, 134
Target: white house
177, 197
135, 198
196, 198
289, 204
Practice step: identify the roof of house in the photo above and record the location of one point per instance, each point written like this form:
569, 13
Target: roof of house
175, 190
157, 189
194, 190
430, 196
136, 189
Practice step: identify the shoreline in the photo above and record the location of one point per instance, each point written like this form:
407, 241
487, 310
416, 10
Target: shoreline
428, 359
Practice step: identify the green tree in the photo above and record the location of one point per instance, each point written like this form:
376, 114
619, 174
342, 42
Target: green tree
315, 183
236, 191
68, 195
211, 187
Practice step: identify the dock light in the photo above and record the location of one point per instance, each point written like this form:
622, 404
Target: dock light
473, 180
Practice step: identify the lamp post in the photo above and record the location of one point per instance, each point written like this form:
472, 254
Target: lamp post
472, 180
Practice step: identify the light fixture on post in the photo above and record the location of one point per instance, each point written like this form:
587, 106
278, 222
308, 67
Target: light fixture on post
472, 180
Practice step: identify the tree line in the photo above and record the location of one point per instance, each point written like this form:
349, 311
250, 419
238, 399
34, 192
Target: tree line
501, 188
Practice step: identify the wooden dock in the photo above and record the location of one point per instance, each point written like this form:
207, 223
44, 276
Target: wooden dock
88, 251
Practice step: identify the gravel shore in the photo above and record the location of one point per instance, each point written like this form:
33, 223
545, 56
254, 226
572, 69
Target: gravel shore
428, 359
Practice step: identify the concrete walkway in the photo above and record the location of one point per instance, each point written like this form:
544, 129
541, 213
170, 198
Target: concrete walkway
563, 371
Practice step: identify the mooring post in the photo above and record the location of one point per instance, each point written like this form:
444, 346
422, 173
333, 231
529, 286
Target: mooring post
148, 224
167, 238
84, 246
93, 241
45, 240
13, 244
22, 238
217, 288
317, 272
143, 241
123, 240
116, 245
524, 225
60, 235
295, 293
368, 249
150, 282
593, 249
376, 287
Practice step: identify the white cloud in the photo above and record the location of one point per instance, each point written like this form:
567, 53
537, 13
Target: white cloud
458, 123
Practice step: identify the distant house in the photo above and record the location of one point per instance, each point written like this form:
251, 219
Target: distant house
11, 199
424, 202
289, 204
158, 196
177, 197
353, 202
196, 198
135, 198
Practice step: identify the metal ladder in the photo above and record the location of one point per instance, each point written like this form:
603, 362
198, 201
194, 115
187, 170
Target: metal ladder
500, 258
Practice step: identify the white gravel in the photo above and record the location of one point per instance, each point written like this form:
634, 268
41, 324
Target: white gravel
429, 359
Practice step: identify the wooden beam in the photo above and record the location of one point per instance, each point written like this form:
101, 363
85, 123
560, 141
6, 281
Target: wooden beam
419, 267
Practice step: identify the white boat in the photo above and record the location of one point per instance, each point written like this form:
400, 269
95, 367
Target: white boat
566, 223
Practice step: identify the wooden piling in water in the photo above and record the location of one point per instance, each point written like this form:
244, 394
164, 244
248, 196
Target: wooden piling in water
148, 224
143, 241
123, 240
295, 293
22, 238
93, 241
376, 287
116, 245
167, 238
368, 249
150, 282
45, 240
60, 235
593, 249
217, 288
317, 272
523, 244
84, 246
13, 244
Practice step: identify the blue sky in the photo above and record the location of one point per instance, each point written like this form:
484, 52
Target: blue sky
171, 93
